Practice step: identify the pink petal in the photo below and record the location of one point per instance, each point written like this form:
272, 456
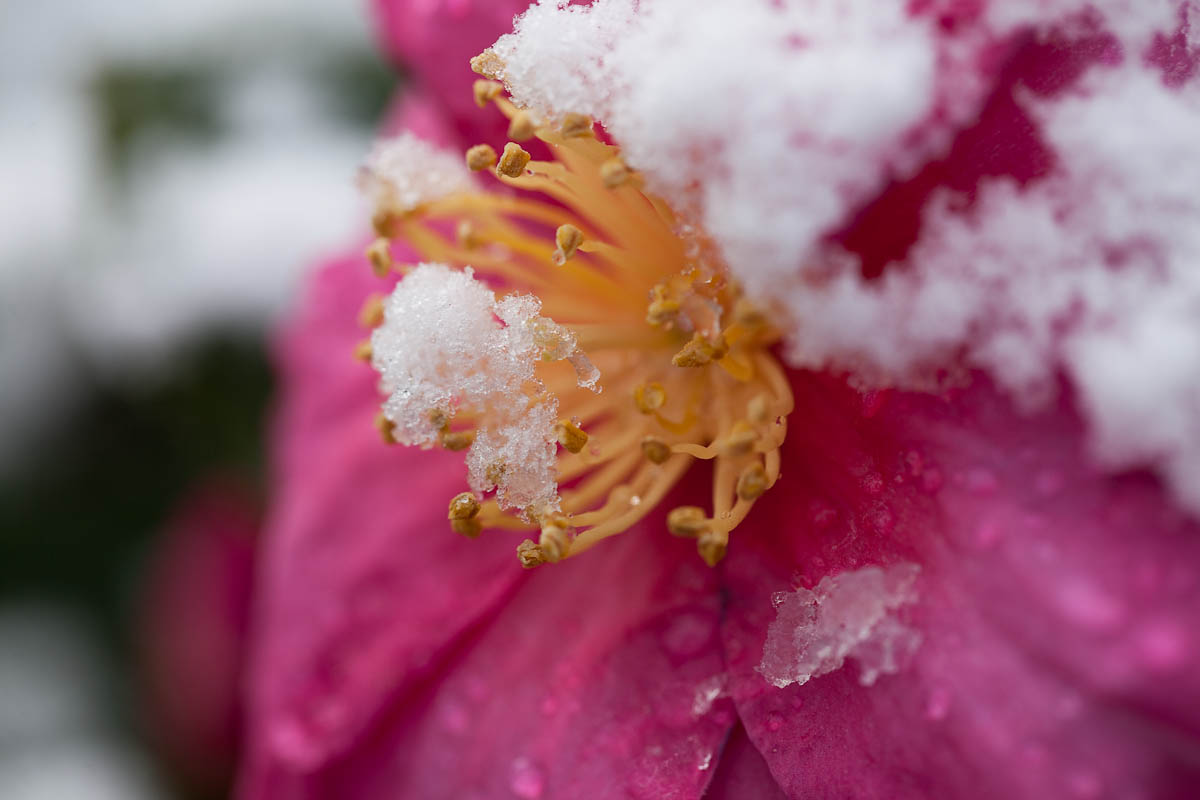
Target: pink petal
742, 774
193, 631
365, 589
437, 39
1057, 606
599, 677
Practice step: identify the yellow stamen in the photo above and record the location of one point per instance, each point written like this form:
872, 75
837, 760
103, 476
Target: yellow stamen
655, 450
456, 440
576, 125
481, 157
379, 253
513, 161
658, 316
567, 238
371, 315
570, 436
649, 397
614, 172
687, 521
485, 92
487, 64
522, 127
463, 506
385, 428
530, 554
363, 351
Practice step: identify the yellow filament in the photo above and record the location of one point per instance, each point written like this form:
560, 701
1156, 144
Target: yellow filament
596, 250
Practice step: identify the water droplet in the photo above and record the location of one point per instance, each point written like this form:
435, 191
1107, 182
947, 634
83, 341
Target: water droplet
635, 500
705, 761
774, 722
937, 706
525, 779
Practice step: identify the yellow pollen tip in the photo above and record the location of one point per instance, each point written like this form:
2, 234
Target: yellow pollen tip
463, 506
712, 545
700, 352
555, 538
574, 125
649, 397
739, 441
663, 308
438, 418
386, 429
379, 253
570, 436
495, 471
757, 410
481, 157
687, 521
456, 440
752, 482
530, 554
522, 127
470, 528
614, 172
384, 224
371, 315
513, 161
655, 450
485, 92
567, 238
363, 351
487, 64
748, 315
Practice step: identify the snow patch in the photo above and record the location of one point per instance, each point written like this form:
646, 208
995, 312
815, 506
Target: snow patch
849, 615
447, 345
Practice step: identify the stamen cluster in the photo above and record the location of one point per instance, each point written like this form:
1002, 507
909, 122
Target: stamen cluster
621, 294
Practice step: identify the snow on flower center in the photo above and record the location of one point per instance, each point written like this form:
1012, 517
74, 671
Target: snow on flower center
603, 288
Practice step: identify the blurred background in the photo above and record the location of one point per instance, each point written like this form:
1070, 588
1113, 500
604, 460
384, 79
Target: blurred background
168, 171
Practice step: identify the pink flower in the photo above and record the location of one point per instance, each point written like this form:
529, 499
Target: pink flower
951, 590
194, 632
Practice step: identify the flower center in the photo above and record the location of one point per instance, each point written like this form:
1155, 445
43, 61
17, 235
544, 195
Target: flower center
628, 294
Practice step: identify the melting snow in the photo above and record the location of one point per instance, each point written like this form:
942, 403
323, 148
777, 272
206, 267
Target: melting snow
787, 115
849, 615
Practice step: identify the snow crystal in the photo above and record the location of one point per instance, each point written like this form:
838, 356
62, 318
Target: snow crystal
787, 112
1095, 272
770, 122
849, 615
448, 345
405, 171
1133, 22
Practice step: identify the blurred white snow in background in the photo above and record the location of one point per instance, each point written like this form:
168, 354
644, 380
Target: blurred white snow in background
57, 736
103, 273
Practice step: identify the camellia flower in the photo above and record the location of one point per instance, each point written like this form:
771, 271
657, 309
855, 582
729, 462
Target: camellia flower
840, 393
